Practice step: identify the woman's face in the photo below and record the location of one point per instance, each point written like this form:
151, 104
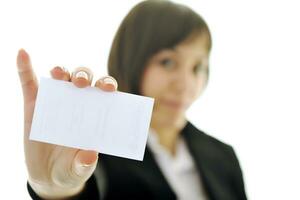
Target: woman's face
175, 78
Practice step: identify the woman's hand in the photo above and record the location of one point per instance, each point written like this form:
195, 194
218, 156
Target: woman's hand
56, 172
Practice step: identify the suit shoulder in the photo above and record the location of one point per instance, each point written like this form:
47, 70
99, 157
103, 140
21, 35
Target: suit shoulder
210, 142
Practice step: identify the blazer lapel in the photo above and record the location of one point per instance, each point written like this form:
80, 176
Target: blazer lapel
199, 151
150, 172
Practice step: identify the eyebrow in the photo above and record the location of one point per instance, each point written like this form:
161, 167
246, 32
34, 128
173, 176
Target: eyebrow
199, 59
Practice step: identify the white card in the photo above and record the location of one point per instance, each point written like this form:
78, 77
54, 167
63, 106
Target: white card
114, 123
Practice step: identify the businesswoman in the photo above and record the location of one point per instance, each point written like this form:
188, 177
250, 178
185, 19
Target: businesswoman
160, 50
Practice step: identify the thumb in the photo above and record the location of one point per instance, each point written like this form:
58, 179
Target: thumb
84, 164
69, 174
74, 171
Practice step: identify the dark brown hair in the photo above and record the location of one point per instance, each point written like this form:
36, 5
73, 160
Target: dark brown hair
149, 27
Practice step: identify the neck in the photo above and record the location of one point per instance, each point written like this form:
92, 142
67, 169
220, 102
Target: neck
168, 135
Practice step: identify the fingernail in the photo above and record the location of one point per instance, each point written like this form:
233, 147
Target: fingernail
86, 165
109, 80
22, 51
22, 56
82, 74
81, 168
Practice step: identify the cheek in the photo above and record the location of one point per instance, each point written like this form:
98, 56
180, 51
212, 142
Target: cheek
201, 86
152, 83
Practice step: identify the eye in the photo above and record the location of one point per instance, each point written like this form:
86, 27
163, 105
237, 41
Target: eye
200, 68
167, 63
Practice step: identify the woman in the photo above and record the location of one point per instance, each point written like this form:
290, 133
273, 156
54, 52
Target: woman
161, 50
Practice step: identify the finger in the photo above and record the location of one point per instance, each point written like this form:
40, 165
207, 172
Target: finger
107, 83
60, 73
84, 165
86, 158
75, 169
82, 77
27, 76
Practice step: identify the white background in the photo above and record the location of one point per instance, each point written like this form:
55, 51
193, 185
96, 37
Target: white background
251, 102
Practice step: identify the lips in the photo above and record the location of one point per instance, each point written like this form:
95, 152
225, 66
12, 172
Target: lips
174, 104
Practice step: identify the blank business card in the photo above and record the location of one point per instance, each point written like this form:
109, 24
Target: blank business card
114, 123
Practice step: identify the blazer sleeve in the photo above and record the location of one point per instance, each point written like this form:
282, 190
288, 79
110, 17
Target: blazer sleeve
90, 191
238, 181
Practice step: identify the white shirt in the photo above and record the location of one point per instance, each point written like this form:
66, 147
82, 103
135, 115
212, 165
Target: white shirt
179, 170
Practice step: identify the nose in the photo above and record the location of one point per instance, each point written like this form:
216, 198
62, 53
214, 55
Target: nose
183, 81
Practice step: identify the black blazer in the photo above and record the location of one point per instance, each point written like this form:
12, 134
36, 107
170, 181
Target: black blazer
119, 178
